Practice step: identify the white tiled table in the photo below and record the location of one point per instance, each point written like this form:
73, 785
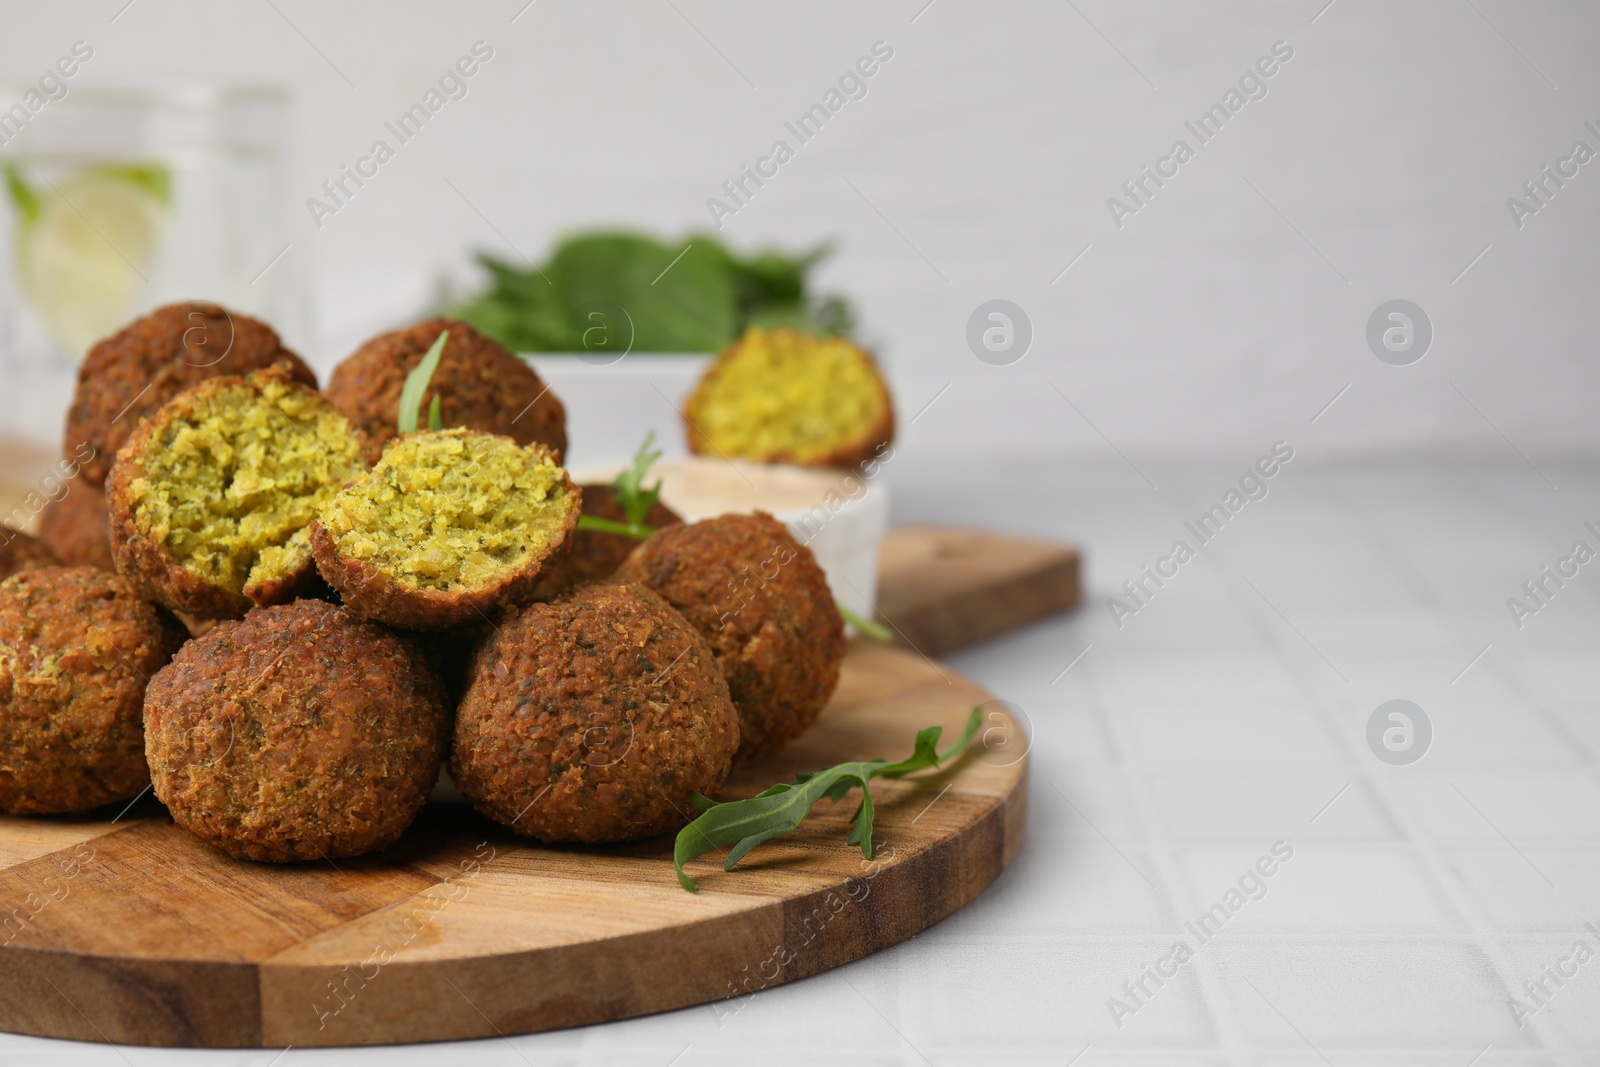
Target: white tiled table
1227, 715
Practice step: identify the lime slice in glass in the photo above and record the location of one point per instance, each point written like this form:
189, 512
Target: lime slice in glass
84, 247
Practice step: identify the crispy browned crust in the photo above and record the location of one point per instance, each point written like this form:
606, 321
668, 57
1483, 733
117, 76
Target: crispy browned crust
763, 604
144, 561
851, 455
593, 718
379, 595
134, 372
77, 648
20, 552
594, 556
480, 385
77, 526
299, 733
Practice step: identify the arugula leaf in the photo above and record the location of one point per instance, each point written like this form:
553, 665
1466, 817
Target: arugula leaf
635, 499
417, 384
744, 824
871, 627
595, 524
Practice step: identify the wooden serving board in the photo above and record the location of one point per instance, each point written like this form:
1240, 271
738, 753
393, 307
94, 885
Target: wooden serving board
130, 930
941, 588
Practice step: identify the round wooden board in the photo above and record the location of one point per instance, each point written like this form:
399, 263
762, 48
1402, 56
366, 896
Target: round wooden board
129, 930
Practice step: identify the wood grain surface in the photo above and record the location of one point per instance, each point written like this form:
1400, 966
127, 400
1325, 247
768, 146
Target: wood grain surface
120, 927
127, 929
941, 588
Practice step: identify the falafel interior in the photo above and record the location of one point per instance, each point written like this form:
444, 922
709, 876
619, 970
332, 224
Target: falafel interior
231, 481
788, 395
452, 509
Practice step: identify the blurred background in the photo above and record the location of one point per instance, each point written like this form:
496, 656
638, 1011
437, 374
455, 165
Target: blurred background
1221, 315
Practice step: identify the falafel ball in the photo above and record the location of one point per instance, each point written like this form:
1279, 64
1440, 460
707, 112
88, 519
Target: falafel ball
480, 384
132, 373
594, 554
301, 732
593, 718
449, 526
77, 527
787, 396
77, 648
21, 552
763, 604
210, 500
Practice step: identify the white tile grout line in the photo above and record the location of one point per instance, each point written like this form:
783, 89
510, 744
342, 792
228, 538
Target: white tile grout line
1481, 929
1179, 895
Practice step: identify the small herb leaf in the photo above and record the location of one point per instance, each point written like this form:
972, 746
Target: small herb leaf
744, 824
435, 422
635, 499
417, 384
872, 628
595, 524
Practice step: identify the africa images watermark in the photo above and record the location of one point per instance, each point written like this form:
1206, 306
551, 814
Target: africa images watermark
452, 85
852, 85
55, 891
1538, 191
53, 486
399, 933
1251, 885
1542, 989
1253, 485
1252, 85
50, 87
1541, 589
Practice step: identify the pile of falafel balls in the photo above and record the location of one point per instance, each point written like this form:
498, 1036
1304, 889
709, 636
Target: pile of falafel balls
284, 615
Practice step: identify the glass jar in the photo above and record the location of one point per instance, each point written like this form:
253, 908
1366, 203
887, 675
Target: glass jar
117, 201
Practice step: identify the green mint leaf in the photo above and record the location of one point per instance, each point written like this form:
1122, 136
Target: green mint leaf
417, 384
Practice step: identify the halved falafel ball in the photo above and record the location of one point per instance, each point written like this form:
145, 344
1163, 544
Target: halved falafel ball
21, 552
132, 373
593, 718
786, 396
763, 604
298, 733
595, 554
480, 384
77, 648
210, 500
77, 526
449, 526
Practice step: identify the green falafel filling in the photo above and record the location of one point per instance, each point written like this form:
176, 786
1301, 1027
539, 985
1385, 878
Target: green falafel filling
452, 509
783, 392
229, 487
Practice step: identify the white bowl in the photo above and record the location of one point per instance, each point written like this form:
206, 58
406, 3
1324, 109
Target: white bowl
840, 515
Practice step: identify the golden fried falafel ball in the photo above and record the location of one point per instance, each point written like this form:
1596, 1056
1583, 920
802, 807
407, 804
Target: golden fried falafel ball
210, 500
298, 733
132, 373
785, 396
449, 526
21, 552
763, 604
593, 718
596, 554
77, 648
77, 526
480, 385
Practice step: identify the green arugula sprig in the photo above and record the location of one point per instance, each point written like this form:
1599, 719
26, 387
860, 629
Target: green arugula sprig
417, 384
631, 493
744, 824
871, 627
